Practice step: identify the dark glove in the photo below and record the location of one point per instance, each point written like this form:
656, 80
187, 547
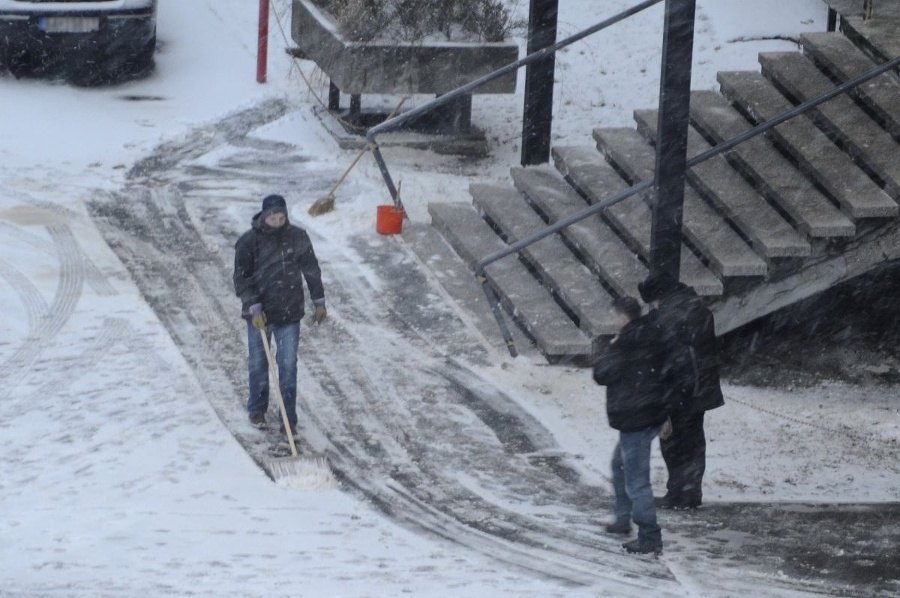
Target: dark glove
257, 316
319, 315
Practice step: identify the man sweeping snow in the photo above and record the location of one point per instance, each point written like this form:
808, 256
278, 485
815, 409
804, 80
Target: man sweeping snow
271, 260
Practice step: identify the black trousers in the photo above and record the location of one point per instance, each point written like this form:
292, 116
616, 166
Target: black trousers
685, 456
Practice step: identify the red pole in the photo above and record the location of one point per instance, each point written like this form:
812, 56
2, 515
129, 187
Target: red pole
262, 48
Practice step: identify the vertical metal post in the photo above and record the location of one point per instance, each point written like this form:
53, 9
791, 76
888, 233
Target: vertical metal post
262, 42
538, 111
671, 146
832, 20
494, 302
334, 97
355, 104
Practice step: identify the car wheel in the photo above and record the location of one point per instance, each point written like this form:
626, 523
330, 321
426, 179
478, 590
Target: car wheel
21, 63
143, 59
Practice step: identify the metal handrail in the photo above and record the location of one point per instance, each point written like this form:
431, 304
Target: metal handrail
397, 121
721, 148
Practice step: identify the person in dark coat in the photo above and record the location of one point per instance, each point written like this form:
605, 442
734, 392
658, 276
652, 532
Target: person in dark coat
271, 261
689, 325
637, 397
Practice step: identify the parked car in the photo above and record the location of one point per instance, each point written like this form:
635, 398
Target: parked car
92, 40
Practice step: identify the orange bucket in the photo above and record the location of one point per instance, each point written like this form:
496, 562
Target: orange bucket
390, 220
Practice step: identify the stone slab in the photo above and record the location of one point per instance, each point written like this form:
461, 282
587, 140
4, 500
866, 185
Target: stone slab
878, 35
592, 239
841, 60
871, 146
766, 231
456, 279
570, 280
531, 304
770, 171
859, 196
725, 252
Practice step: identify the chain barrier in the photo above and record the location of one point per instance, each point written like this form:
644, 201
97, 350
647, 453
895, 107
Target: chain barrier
865, 440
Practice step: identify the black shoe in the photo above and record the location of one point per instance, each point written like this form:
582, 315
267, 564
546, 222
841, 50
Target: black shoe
639, 547
688, 504
258, 419
668, 502
623, 528
293, 431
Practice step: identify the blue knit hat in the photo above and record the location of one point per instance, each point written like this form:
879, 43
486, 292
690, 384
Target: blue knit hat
272, 204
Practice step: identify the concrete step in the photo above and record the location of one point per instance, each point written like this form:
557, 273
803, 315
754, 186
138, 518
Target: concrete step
595, 243
876, 36
873, 147
552, 261
631, 219
591, 239
722, 249
768, 170
459, 283
534, 308
767, 232
806, 209
859, 196
841, 60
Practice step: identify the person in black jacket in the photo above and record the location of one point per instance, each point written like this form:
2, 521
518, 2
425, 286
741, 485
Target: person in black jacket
271, 260
689, 325
637, 397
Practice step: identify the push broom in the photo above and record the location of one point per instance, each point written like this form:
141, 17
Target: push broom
296, 470
325, 204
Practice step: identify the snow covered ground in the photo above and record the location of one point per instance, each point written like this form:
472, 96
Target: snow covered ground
120, 474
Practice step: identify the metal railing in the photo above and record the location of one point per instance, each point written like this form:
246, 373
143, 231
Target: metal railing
399, 120
490, 293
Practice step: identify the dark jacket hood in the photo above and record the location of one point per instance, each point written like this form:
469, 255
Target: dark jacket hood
259, 224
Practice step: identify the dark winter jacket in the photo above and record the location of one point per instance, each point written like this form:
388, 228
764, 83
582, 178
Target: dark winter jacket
269, 268
638, 391
689, 325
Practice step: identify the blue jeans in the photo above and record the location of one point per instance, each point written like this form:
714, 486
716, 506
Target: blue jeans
631, 483
287, 340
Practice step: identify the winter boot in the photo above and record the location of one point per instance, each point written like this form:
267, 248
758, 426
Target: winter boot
258, 419
642, 547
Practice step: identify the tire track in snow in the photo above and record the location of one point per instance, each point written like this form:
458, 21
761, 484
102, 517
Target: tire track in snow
36, 309
54, 317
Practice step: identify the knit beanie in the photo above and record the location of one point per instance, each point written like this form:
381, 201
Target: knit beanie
272, 204
657, 286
